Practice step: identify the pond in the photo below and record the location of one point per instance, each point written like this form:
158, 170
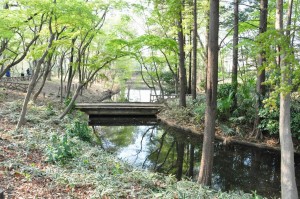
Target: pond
163, 149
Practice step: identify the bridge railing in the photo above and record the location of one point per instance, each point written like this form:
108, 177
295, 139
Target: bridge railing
154, 98
15, 79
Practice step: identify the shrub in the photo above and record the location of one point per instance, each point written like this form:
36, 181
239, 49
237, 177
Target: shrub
80, 130
224, 101
270, 121
60, 149
50, 110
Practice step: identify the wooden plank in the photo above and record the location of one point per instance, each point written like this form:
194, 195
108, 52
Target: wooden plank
122, 121
131, 109
119, 104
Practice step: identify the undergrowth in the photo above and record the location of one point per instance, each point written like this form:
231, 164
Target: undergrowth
76, 161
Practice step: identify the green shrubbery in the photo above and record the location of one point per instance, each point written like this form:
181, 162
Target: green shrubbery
80, 130
60, 149
270, 118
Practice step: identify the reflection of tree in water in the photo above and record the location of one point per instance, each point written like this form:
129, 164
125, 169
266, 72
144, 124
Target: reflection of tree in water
239, 167
166, 151
116, 137
171, 152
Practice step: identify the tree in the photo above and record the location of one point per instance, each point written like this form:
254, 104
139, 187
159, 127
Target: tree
288, 181
194, 66
261, 74
211, 96
235, 55
182, 69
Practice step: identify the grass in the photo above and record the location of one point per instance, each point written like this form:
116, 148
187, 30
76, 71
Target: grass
99, 173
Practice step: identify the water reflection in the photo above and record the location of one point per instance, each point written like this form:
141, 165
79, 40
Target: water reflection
164, 150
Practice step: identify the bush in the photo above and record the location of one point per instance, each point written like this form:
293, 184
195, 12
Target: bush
60, 149
246, 101
80, 130
224, 101
50, 110
270, 121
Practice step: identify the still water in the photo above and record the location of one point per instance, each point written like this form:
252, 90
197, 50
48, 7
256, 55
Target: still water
163, 149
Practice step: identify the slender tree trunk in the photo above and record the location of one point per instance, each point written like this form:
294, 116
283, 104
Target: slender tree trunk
235, 50
182, 70
189, 87
46, 72
206, 48
72, 102
61, 61
194, 66
261, 74
71, 73
288, 181
33, 83
211, 96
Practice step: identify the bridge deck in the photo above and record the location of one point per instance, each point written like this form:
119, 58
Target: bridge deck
120, 109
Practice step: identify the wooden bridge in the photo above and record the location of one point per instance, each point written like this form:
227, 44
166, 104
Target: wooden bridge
120, 109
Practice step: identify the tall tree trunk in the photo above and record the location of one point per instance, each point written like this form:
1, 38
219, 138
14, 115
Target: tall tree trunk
194, 66
71, 73
189, 87
261, 74
33, 83
72, 102
206, 46
47, 70
288, 181
235, 50
61, 61
182, 70
211, 96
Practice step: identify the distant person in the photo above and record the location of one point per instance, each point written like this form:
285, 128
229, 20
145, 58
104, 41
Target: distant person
28, 72
7, 73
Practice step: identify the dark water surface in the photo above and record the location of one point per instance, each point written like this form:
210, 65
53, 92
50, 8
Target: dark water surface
163, 149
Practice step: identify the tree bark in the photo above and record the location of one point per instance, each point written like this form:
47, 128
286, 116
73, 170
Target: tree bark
235, 50
182, 70
71, 73
211, 97
261, 74
288, 181
206, 47
194, 66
